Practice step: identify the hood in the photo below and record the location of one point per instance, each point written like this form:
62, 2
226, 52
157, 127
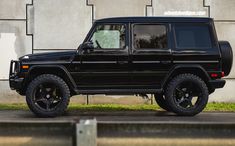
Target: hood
52, 56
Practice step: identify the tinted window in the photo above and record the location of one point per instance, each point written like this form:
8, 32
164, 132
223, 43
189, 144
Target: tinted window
109, 36
195, 36
149, 36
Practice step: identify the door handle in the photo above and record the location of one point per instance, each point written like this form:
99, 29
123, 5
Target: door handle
122, 62
165, 62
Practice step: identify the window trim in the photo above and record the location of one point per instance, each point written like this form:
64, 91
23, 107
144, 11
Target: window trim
166, 25
193, 48
111, 49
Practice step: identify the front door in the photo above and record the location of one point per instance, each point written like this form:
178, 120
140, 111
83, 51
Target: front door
105, 66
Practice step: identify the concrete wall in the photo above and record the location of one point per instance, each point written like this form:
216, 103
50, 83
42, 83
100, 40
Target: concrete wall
62, 25
116, 8
13, 44
13, 39
194, 8
57, 25
13, 9
221, 9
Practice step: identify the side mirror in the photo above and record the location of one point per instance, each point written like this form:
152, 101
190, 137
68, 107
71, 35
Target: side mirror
87, 46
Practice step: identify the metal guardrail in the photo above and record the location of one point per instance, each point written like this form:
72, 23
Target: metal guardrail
91, 132
166, 129
68, 133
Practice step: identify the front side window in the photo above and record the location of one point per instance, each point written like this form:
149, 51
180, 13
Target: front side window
109, 36
149, 36
192, 36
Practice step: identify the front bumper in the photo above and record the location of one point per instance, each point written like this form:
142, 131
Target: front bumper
218, 83
14, 81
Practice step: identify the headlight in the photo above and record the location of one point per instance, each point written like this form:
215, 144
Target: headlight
26, 57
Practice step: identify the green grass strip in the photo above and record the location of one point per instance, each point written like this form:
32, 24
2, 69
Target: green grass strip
113, 107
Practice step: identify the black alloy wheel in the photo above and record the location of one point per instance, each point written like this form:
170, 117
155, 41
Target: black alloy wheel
47, 96
186, 95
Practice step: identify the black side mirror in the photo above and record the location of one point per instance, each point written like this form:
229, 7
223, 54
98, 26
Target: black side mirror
87, 46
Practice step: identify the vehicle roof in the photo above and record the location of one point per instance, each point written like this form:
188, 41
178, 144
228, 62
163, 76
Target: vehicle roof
153, 19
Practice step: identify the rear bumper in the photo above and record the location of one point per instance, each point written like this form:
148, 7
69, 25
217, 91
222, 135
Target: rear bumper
219, 83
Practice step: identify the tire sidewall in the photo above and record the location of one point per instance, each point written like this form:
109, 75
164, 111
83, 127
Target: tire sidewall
60, 109
161, 101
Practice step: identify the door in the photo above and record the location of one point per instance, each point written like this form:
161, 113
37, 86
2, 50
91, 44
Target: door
150, 55
106, 65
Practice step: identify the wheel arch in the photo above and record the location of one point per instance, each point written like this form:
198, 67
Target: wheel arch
197, 70
57, 70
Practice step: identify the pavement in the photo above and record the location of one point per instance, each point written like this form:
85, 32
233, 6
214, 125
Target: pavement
120, 116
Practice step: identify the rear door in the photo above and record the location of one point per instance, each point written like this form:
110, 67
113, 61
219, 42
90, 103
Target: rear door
150, 54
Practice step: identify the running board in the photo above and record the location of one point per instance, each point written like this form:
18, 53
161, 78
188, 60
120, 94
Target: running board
118, 91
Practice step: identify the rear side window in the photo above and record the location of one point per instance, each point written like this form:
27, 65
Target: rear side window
192, 36
149, 36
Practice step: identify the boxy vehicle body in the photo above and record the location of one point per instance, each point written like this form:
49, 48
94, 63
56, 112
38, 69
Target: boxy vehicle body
177, 59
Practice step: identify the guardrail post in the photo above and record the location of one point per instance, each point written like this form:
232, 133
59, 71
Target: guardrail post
87, 99
86, 133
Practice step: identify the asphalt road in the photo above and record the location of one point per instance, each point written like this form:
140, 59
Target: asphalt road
123, 116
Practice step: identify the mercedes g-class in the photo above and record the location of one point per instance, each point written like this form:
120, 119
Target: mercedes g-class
177, 59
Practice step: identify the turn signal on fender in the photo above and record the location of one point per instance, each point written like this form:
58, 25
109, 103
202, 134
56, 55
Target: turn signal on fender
25, 67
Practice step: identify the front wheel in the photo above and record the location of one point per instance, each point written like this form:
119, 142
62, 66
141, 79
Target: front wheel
187, 95
48, 96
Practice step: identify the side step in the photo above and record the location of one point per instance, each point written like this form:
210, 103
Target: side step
118, 91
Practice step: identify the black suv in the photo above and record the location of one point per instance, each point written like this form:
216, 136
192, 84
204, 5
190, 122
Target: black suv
179, 60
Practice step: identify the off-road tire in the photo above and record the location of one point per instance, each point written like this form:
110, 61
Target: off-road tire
161, 101
64, 91
199, 85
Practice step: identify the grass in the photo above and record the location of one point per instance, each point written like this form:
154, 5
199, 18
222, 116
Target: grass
113, 107
222, 107
229, 107
14, 106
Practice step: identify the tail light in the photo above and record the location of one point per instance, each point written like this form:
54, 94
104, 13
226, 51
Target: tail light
214, 75
222, 74
217, 75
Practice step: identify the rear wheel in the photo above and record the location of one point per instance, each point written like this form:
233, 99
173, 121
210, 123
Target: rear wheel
161, 101
48, 96
187, 94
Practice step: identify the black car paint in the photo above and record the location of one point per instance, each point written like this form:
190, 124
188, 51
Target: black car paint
65, 56
128, 70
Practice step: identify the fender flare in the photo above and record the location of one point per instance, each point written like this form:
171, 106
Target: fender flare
62, 68
177, 67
